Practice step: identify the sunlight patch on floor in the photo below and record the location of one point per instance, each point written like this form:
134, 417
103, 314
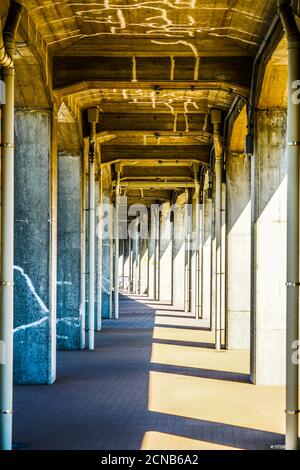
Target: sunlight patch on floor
186, 335
230, 403
182, 322
174, 313
162, 441
201, 358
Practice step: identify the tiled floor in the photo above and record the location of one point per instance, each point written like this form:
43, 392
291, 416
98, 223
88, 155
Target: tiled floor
154, 382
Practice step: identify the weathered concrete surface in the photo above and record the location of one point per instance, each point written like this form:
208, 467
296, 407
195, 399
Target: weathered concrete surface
144, 267
152, 256
165, 254
69, 252
207, 259
84, 253
137, 262
106, 233
213, 264
223, 259
98, 299
179, 254
121, 265
269, 186
238, 261
126, 266
35, 224
135, 255
193, 259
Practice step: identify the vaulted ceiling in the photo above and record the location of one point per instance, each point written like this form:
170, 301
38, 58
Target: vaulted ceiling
154, 68
155, 27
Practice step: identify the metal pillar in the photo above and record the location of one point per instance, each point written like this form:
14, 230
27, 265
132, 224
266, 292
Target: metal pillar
121, 264
138, 264
293, 136
7, 44
157, 256
216, 121
137, 241
212, 249
93, 118
197, 241
172, 222
117, 243
187, 277
111, 259
83, 258
202, 240
130, 264
100, 236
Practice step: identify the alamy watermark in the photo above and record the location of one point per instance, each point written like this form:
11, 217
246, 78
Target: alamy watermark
296, 93
148, 223
295, 355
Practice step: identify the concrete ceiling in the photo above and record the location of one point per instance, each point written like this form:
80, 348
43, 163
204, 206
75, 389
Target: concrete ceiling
155, 69
155, 27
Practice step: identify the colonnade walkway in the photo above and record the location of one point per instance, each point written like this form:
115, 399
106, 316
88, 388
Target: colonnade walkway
153, 382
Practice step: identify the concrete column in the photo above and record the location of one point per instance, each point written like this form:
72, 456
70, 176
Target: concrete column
157, 254
154, 249
193, 254
83, 283
117, 244
130, 263
137, 289
144, 284
107, 235
98, 255
187, 269
165, 256
223, 263
238, 262
126, 264
35, 247
152, 255
213, 262
197, 249
69, 252
269, 193
201, 243
179, 254
216, 121
111, 256
207, 258
121, 264
135, 257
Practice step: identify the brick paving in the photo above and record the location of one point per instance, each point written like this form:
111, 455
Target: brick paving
100, 399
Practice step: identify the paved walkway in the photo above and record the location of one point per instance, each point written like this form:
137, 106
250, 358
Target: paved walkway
154, 382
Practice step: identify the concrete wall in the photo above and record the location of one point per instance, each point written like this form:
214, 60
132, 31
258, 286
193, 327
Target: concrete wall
69, 252
269, 192
238, 251
35, 250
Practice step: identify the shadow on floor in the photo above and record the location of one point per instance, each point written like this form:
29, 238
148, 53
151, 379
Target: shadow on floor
103, 400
